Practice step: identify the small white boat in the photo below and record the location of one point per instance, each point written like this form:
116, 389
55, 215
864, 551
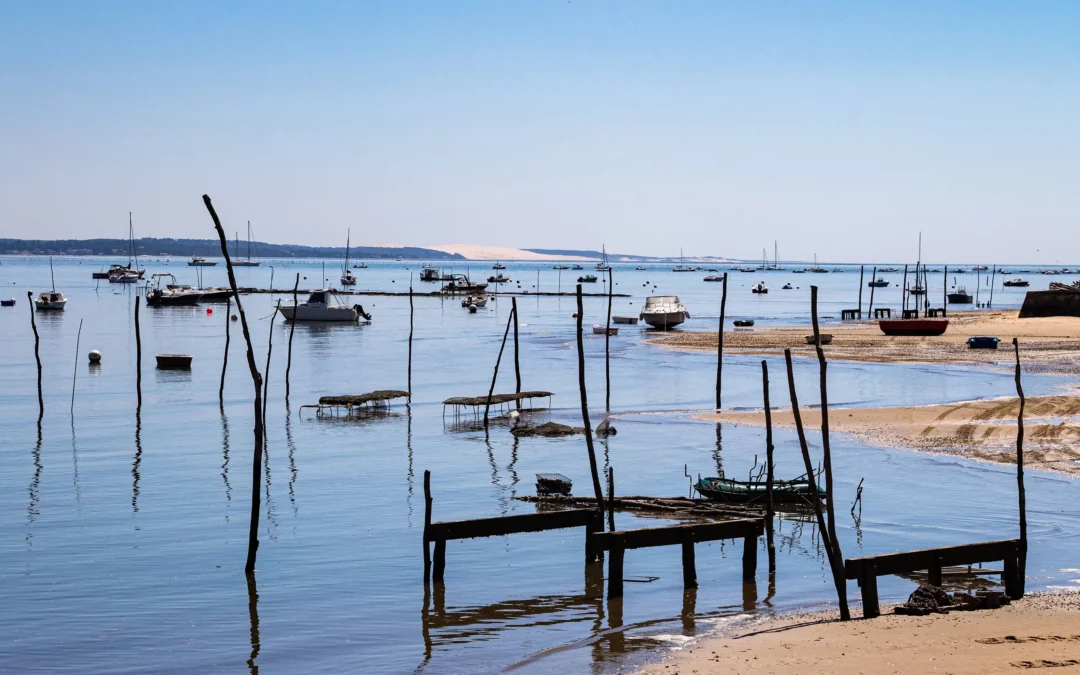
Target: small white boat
760, 288
347, 277
664, 311
624, 319
474, 301
319, 308
50, 300
600, 330
714, 277
124, 278
197, 261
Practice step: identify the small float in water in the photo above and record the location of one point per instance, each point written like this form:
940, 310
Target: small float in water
174, 361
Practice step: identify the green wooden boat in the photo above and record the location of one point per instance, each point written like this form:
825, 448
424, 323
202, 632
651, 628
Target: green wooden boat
729, 490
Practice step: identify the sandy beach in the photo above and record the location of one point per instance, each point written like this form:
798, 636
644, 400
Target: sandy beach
1039, 631
1046, 344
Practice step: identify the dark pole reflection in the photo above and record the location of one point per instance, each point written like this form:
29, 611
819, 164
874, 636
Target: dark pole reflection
271, 512
225, 458
75, 466
718, 456
689, 610
510, 467
253, 618
409, 453
35, 482
749, 595
138, 460
291, 445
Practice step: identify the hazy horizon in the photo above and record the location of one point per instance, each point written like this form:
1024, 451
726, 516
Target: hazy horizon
841, 129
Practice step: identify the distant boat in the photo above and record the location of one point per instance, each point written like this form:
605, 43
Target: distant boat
577, 267
878, 283
913, 326
498, 266
561, 267
761, 288
681, 267
587, 279
124, 278
889, 270
249, 261
360, 265
347, 277
714, 277
474, 301
664, 311
51, 300
600, 330
133, 258
980, 268
173, 295
318, 307
641, 268
498, 279
603, 265
786, 287
197, 261
430, 273
459, 283
960, 297
1016, 282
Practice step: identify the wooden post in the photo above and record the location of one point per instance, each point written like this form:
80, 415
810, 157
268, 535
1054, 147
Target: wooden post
826, 456
978, 285
256, 381
862, 268
836, 562
993, 277
749, 557
517, 356
75, 374
253, 622
585, 409
615, 568
868, 583
607, 344
439, 565
933, 572
269, 350
611, 498
138, 356
1022, 554
873, 279
720, 343
769, 512
689, 569
37, 355
427, 525
495, 375
412, 312
903, 294
225, 360
1014, 586
292, 330
945, 293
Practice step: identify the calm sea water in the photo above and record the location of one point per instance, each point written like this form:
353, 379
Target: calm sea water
123, 535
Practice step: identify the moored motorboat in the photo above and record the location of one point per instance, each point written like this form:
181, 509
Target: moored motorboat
459, 283
197, 261
913, 326
714, 277
664, 311
50, 300
600, 330
474, 301
173, 361
498, 279
173, 295
1018, 282
760, 288
587, 279
624, 319
878, 283
960, 297
318, 307
124, 278
10, 302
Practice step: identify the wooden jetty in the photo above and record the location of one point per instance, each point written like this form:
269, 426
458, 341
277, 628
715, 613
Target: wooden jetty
867, 569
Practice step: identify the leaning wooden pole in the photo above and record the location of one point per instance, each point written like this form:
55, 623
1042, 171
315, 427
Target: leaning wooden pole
769, 512
292, 330
826, 452
607, 344
585, 409
37, 355
269, 351
495, 375
873, 280
904, 294
1022, 562
832, 549
945, 293
993, 279
720, 344
256, 381
517, 353
138, 356
411, 315
75, 374
862, 269
225, 359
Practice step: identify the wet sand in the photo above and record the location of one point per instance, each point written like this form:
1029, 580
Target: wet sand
1048, 345
983, 430
1039, 631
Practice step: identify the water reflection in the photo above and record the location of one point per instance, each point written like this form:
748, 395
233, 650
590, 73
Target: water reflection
35, 483
718, 456
271, 511
138, 460
409, 453
75, 466
225, 458
291, 445
253, 619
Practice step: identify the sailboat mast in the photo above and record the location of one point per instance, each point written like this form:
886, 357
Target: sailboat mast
348, 240
775, 256
249, 240
131, 239
52, 274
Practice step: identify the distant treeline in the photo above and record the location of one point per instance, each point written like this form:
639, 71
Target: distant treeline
208, 248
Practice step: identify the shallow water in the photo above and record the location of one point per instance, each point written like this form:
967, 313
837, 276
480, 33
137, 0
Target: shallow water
123, 535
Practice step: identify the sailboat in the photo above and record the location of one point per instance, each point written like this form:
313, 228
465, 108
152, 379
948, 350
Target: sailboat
680, 267
918, 288
603, 266
249, 261
347, 277
51, 300
132, 262
815, 269
776, 257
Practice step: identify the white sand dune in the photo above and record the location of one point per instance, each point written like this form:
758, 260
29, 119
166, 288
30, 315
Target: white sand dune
479, 252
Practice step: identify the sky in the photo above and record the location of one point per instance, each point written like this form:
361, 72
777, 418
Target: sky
841, 129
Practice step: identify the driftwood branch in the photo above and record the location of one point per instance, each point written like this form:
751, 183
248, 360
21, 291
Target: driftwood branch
37, 356
495, 375
225, 358
720, 343
292, 330
1022, 562
585, 408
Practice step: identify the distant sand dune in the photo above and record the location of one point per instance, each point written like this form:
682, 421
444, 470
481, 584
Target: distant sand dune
477, 252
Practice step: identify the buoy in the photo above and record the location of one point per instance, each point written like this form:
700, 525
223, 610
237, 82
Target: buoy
95, 356
209, 311
234, 317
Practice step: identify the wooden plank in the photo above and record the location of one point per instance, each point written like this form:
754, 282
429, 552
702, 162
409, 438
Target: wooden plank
497, 527
672, 535
909, 561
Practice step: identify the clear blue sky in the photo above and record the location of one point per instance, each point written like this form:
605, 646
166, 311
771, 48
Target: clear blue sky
836, 128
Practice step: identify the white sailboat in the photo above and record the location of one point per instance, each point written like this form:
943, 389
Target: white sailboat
51, 300
680, 267
603, 265
347, 277
244, 262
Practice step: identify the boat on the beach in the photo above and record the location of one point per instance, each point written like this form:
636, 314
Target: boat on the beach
913, 326
742, 491
664, 311
826, 339
878, 283
319, 307
983, 342
743, 323
624, 319
197, 261
760, 288
960, 297
1016, 282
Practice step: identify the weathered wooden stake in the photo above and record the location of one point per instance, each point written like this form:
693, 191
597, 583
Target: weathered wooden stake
870, 309
611, 498
495, 375
862, 269
292, 330
615, 569
1022, 556
689, 566
75, 374
269, 351
769, 512
517, 356
993, 277
37, 355
225, 359
945, 293
607, 344
412, 312
903, 293
256, 381
585, 409
138, 356
720, 343
427, 526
